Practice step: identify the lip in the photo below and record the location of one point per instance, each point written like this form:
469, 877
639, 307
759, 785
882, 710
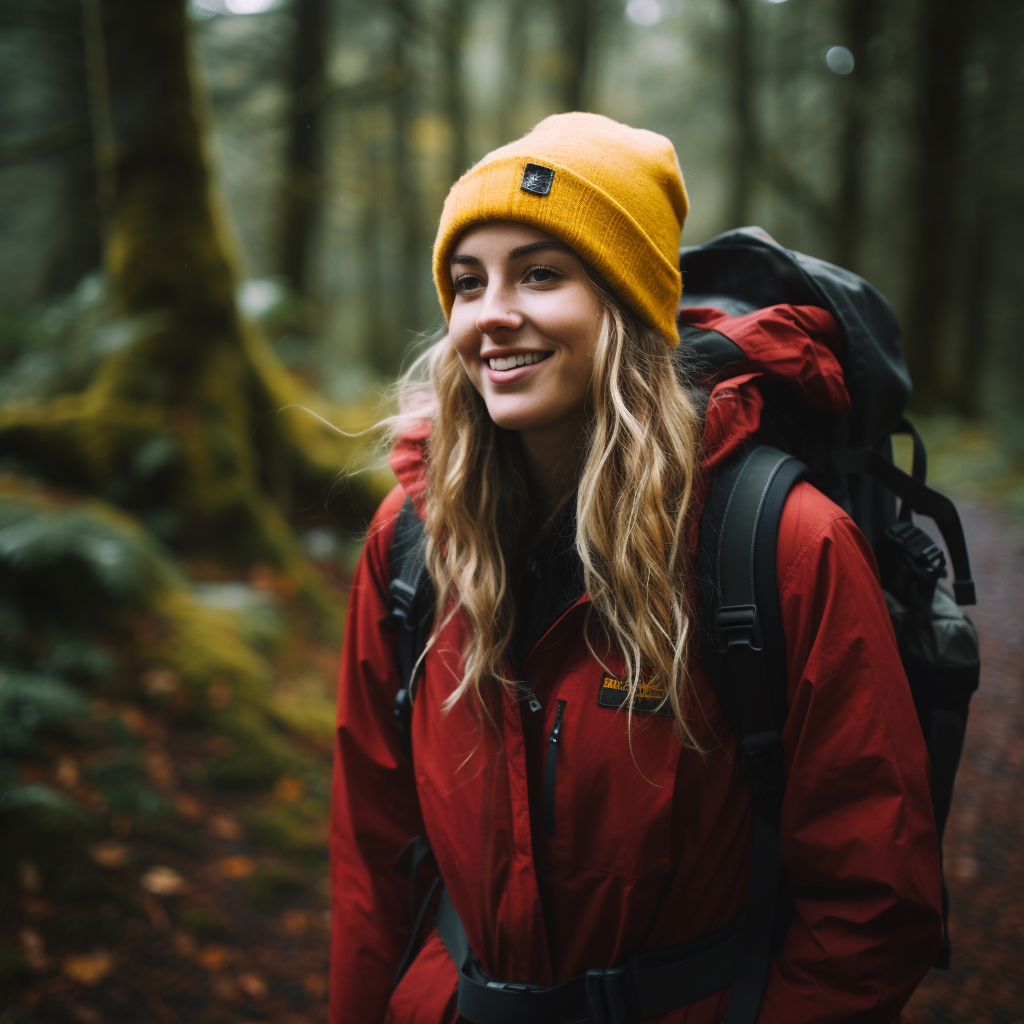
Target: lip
518, 372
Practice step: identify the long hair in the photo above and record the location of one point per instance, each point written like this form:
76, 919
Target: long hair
633, 493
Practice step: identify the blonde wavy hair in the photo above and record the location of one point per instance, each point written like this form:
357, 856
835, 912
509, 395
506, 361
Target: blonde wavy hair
633, 495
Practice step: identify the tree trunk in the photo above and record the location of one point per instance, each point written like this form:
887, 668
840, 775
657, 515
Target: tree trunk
303, 178
513, 72
989, 202
747, 151
406, 200
862, 17
578, 22
935, 196
191, 416
453, 33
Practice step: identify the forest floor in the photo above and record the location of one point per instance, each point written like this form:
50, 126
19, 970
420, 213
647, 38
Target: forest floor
984, 842
225, 917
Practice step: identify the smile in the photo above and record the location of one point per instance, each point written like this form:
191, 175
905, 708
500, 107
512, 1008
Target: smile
511, 362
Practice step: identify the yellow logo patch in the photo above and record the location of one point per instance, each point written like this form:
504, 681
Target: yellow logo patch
649, 696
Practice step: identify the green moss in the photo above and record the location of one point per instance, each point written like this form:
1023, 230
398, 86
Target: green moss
272, 886
167, 829
202, 922
14, 970
298, 829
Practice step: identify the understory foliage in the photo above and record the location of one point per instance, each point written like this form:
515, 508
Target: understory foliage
112, 662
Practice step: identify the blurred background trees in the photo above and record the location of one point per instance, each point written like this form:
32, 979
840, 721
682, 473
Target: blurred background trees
217, 215
881, 134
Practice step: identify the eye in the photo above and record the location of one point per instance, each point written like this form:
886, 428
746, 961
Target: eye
466, 283
541, 275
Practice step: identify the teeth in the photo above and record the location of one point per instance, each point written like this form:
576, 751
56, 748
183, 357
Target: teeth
513, 361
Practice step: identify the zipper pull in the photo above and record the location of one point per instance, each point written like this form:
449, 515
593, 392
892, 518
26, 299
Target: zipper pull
556, 729
526, 693
550, 772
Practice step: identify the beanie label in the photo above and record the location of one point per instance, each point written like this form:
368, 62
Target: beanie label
537, 179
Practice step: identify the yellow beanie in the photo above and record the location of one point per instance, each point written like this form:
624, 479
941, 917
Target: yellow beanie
614, 194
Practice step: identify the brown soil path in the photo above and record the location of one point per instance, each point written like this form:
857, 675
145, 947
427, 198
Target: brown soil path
985, 836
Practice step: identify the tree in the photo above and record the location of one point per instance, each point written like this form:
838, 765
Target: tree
934, 195
190, 422
303, 176
747, 152
578, 22
862, 18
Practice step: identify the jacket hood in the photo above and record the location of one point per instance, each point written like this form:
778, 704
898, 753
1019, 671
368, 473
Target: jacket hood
797, 346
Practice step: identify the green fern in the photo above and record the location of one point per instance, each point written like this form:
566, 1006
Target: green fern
29, 703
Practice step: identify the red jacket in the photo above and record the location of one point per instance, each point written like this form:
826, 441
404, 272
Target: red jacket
652, 845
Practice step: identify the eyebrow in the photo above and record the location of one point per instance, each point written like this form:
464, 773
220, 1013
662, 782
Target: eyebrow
513, 254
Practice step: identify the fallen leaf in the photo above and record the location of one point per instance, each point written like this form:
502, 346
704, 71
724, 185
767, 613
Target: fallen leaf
160, 681
188, 806
159, 769
289, 789
213, 958
155, 912
252, 985
134, 719
315, 985
67, 772
29, 877
236, 867
223, 826
110, 855
34, 949
161, 880
295, 922
89, 968
184, 943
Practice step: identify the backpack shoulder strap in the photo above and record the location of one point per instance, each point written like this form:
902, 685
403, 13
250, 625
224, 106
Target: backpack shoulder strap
410, 607
745, 656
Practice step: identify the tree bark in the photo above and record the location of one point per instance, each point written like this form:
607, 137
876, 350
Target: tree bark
453, 33
862, 17
746, 156
935, 196
304, 175
191, 416
578, 29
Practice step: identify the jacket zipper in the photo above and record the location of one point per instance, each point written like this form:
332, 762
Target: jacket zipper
549, 775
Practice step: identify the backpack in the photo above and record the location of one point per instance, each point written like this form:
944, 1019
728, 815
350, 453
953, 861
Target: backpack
743, 648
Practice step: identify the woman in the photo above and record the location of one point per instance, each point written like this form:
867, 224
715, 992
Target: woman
558, 465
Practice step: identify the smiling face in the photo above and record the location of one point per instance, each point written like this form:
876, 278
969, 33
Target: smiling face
525, 324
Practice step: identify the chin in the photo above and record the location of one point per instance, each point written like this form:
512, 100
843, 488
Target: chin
517, 419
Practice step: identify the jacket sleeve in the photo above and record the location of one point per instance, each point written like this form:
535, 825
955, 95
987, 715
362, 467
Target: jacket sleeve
374, 810
858, 834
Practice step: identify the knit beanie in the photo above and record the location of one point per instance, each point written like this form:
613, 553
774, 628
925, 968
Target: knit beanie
612, 193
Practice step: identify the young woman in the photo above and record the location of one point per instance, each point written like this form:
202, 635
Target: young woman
558, 465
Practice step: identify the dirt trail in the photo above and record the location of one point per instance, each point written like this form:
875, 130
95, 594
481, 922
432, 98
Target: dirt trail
985, 835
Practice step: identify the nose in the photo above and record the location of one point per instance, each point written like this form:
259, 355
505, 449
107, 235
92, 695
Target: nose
498, 310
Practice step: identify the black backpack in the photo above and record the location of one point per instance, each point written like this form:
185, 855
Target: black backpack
850, 460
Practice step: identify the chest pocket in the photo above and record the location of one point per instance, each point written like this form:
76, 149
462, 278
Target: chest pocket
608, 783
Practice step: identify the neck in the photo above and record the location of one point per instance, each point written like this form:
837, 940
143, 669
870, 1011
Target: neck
554, 455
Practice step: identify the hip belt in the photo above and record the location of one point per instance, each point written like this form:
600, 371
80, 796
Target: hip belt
651, 983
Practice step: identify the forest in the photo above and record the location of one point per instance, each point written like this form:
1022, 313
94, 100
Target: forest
216, 219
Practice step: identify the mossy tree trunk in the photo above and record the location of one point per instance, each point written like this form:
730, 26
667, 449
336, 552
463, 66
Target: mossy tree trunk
304, 180
190, 422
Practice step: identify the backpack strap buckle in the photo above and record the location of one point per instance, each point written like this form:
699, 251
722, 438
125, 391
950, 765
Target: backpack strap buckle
738, 626
609, 996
